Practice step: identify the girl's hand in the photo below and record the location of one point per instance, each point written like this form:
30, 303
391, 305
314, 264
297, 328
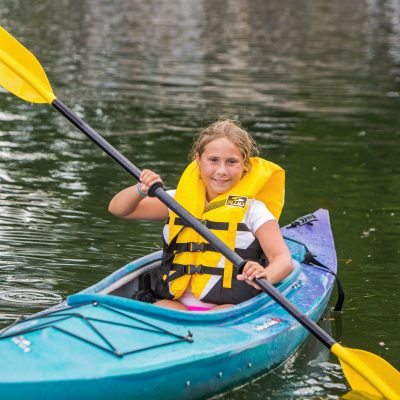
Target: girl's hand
251, 271
148, 178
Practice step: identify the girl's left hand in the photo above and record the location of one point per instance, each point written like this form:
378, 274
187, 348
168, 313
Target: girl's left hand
251, 271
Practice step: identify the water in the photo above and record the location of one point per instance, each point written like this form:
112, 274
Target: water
317, 83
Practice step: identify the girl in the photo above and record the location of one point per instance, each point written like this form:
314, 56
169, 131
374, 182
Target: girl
239, 198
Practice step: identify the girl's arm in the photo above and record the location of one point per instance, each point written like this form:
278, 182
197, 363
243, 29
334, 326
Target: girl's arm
129, 203
280, 261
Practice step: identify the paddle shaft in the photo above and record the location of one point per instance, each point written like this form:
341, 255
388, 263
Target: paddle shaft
193, 222
96, 138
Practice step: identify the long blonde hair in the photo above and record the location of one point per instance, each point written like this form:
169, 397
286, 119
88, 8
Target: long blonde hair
231, 130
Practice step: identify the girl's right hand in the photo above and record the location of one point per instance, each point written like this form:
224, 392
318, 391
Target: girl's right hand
147, 179
251, 271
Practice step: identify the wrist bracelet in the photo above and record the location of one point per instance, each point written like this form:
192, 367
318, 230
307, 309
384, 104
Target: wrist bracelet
137, 186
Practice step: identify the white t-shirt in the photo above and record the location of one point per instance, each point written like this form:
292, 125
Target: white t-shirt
256, 215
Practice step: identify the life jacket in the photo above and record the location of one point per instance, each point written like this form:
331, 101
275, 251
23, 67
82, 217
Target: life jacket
190, 259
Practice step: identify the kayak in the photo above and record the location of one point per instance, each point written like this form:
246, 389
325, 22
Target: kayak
107, 342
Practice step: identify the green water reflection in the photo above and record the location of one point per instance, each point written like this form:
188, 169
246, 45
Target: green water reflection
317, 83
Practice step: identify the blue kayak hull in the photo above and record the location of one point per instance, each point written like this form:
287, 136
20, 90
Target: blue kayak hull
99, 345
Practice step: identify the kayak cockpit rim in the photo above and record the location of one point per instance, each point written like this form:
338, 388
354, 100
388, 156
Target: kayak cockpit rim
114, 292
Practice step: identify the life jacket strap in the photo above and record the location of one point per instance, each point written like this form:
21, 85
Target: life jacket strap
193, 247
180, 270
197, 269
220, 226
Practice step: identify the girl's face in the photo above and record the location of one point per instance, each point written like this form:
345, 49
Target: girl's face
221, 166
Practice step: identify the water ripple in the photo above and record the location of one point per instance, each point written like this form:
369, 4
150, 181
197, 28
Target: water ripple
30, 296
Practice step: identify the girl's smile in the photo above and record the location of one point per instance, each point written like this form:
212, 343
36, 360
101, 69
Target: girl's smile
221, 166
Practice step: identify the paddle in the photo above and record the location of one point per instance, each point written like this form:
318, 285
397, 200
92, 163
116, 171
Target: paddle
22, 74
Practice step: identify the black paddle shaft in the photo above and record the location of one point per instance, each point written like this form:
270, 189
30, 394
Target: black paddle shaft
158, 191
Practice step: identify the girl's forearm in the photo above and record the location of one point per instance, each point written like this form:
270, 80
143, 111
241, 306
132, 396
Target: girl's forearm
125, 202
279, 268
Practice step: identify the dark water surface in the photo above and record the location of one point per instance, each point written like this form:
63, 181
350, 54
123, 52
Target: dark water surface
317, 83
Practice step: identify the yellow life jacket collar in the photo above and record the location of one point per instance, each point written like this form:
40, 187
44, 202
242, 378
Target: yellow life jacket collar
265, 182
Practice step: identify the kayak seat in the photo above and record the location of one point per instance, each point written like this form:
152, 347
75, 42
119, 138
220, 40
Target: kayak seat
145, 292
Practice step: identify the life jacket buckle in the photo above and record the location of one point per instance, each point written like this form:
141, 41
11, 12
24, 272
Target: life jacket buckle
194, 269
196, 247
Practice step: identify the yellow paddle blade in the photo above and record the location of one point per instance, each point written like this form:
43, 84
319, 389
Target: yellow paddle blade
21, 73
368, 373
353, 395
